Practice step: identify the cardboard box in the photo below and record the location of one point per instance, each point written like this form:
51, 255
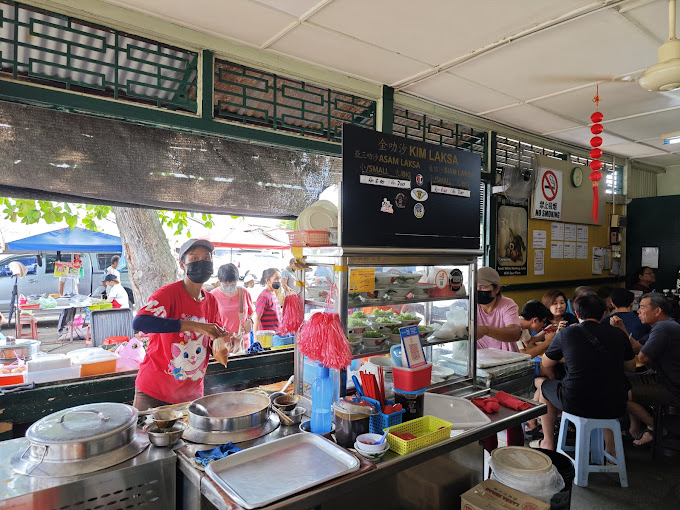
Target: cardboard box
492, 495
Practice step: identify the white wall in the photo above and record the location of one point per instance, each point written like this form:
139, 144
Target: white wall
669, 183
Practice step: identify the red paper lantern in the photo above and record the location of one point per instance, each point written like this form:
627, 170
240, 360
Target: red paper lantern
596, 129
596, 117
595, 153
595, 141
596, 175
596, 164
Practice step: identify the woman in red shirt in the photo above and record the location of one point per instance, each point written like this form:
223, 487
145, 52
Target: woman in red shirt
182, 321
235, 304
268, 309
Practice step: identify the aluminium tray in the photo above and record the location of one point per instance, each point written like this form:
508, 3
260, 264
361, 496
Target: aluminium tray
289, 465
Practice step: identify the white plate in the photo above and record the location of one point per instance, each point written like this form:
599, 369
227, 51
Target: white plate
316, 218
326, 204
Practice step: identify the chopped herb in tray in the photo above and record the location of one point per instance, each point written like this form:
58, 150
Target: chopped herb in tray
406, 317
373, 334
356, 323
382, 313
358, 315
385, 320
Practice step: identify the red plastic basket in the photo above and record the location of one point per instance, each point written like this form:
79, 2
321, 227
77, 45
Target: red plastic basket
309, 238
412, 379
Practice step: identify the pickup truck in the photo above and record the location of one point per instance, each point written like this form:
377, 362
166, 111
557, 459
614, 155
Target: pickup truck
41, 280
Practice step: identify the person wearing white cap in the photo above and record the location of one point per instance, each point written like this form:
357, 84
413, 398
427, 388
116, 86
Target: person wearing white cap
182, 320
498, 323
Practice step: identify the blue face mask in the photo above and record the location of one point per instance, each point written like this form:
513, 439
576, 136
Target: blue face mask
228, 289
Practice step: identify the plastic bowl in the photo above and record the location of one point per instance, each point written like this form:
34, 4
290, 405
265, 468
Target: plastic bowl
287, 402
364, 443
385, 327
409, 322
384, 279
399, 292
382, 361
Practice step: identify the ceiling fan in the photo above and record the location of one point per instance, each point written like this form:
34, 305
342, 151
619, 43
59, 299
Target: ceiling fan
665, 74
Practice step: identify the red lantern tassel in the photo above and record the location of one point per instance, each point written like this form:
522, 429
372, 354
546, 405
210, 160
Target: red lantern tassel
596, 202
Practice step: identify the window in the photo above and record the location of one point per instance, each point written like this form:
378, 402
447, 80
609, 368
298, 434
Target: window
51, 258
31, 264
613, 175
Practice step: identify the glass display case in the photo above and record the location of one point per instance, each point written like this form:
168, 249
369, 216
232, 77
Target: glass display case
377, 291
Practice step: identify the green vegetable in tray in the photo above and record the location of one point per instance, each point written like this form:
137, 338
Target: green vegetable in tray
383, 313
385, 320
407, 317
356, 323
358, 315
373, 334
403, 280
425, 329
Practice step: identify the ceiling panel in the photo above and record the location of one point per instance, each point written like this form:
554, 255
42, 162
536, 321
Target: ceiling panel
631, 150
647, 126
530, 118
346, 54
448, 89
619, 99
662, 160
294, 7
654, 17
658, 144
239, 20
438, 30
603, 44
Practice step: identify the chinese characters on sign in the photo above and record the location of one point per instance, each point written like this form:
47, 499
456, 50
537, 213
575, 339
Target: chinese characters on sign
547, 203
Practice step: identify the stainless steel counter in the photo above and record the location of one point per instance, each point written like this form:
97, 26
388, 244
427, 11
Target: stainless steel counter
201, 495
148, 480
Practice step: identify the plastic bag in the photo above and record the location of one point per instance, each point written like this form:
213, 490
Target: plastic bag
321, 338
541, 486
293, 314
131, 354
220, 350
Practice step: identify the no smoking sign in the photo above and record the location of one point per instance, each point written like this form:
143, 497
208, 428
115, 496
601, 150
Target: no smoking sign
548, 195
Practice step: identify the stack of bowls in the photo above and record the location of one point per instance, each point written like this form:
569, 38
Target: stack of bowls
364, 445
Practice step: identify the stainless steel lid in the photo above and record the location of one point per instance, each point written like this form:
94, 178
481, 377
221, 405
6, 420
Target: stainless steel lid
86, 422
24, 348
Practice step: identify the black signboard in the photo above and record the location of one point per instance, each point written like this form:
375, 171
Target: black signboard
405, 193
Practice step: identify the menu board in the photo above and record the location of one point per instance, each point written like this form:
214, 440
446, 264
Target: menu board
405, 193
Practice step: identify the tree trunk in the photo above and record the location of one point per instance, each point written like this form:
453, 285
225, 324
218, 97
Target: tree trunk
151, 263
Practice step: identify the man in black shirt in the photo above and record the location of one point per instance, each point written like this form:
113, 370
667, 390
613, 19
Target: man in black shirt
596, 356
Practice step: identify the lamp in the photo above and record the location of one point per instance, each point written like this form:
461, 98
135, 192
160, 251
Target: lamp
671, 138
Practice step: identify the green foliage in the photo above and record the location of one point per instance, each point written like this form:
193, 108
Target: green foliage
89, 216
287, 224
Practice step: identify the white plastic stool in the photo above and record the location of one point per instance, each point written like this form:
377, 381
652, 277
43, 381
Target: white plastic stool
590, 444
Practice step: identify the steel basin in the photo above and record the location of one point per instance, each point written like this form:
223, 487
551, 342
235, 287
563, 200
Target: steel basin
229, 412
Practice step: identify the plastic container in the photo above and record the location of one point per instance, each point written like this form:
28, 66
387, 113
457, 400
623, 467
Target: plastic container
462, 413
561, 500
378, 422
413, 403
265, 337
412, 379
116, 340
57, 374
526, 470
428, 430
9, 379
309, 238
322, 401
94, 360
48, 362
351, 420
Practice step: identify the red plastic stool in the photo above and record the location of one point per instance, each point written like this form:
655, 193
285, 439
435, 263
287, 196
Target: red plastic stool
116, 340
27, 320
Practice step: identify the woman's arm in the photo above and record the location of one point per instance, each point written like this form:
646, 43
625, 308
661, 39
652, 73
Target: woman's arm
509, 333
256, 322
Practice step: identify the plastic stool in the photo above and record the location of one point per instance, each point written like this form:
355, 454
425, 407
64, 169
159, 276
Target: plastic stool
27, 320
590, 444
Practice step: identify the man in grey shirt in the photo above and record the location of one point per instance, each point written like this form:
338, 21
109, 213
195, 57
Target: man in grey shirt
288, 278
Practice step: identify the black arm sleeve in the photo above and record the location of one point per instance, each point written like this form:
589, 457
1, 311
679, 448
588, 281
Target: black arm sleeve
153, 324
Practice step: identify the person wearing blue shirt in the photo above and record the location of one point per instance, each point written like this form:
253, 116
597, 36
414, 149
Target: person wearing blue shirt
622, 300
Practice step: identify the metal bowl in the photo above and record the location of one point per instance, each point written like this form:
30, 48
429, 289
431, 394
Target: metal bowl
296, 414
165, 437
287, 402
165, 418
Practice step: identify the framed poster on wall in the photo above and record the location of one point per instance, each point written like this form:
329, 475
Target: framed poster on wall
512, 236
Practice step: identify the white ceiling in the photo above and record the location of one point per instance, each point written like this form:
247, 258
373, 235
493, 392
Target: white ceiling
530, 64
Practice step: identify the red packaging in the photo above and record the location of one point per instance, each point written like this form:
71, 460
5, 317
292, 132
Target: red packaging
412, 379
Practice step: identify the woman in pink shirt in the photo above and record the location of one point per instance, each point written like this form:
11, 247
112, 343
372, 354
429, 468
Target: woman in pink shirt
236, 306
498, 323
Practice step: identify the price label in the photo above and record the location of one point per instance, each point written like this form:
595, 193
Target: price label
445, 190
411, 346
388, 182
362, 279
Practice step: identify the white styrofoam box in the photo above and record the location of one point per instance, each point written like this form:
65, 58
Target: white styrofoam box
57, 374
48, 362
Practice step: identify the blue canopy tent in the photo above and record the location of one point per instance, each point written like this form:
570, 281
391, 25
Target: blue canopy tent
68, 240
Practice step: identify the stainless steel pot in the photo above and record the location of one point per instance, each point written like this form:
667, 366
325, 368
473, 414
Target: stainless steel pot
82, 432
11, 349
229, 412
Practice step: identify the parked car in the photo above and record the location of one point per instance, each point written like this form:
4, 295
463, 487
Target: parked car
40, 277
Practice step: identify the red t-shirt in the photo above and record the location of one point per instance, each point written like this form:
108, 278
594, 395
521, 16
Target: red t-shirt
175, 363
268, 307
229, 306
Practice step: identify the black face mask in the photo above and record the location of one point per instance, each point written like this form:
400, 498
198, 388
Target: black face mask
199, 271
484, 297
276, 285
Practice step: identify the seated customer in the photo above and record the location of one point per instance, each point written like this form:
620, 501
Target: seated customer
533, 318
643, 279
596, 356
578, 292
497, 317
556, 302
662, 351
630, 322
